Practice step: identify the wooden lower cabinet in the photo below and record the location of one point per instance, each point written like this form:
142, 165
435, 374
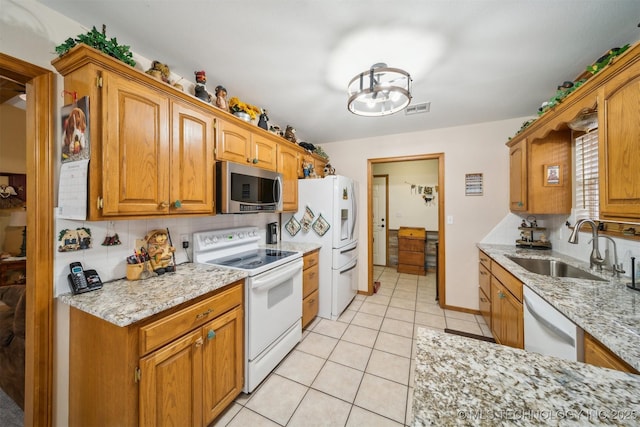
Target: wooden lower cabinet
507, 316
484, 288
180, 367
500, 301
310, 281
595, 353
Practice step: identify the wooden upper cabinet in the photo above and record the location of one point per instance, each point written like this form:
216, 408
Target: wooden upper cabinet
238, 144
233, 142
288, 165
151, 145
192, 171
530, 189
518, 177
135, 148
619, 147
264, 152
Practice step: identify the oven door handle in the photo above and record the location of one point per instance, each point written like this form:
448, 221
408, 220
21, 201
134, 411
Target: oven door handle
271, 280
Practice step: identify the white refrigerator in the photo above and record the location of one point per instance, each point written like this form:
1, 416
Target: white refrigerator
327, 213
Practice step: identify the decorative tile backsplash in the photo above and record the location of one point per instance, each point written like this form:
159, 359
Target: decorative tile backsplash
110, 261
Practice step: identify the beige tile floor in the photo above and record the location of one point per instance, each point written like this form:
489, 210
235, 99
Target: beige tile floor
358, 370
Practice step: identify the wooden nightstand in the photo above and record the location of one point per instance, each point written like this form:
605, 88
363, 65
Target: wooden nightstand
13, 272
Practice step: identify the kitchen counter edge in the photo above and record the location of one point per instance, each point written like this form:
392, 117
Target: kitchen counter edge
123, 302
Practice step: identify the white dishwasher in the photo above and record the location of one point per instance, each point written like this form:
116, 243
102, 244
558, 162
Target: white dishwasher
549, 332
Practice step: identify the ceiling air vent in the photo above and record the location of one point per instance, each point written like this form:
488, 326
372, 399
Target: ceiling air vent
418, 108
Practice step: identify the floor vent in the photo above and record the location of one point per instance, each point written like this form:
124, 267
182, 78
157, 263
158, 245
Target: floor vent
424, 107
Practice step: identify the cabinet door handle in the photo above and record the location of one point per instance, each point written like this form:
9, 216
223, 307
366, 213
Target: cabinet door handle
501, 294
204, 314
164, 204
199, 342
211, 335
177, 204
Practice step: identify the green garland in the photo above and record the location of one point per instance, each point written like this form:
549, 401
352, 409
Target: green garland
98, 40
563, 92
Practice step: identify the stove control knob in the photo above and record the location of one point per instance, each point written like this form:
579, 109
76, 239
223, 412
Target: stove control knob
240, 235
214, 239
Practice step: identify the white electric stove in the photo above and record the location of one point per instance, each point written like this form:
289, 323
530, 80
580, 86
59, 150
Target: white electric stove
273, 295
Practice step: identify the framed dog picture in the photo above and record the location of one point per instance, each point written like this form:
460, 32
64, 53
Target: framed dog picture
76, 139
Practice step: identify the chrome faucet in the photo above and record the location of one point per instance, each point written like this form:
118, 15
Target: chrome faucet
595, 260
616, 268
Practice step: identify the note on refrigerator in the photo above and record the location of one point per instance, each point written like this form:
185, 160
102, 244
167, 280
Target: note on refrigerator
72, 191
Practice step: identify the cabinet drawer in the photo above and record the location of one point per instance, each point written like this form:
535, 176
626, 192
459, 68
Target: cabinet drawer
484, 278
309, 308
485, 307
162, 331
414, 245
310, 260
411, 269
310, 280
484, 259
507, 279
411, 258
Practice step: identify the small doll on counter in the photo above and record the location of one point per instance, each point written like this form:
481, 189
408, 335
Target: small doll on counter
160, 251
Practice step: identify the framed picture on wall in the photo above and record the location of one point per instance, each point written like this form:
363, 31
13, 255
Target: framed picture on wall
552, 175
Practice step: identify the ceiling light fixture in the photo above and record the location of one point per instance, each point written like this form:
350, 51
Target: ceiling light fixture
379, 91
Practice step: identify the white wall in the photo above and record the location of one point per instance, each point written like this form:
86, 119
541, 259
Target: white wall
467, 149
407, 208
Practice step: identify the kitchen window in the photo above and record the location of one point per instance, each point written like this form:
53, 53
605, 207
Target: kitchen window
586, 176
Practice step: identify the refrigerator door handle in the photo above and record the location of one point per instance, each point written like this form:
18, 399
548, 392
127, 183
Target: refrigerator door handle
355, 264
354, 209
349, 250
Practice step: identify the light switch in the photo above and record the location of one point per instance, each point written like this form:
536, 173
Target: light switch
449, 219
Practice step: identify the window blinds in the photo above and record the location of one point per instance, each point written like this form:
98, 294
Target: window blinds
587, 196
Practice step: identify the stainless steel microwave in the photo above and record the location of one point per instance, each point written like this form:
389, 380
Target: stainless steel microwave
245, 189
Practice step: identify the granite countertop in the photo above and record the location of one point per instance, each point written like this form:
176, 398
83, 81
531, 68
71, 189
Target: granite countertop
123, 302
608, 311
303, 247
463, 381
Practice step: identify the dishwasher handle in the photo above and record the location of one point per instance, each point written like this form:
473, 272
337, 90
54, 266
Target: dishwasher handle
562, 335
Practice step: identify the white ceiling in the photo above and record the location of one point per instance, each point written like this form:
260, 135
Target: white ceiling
483, 60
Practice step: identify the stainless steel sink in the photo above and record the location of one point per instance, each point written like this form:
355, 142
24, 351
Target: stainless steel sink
553, 268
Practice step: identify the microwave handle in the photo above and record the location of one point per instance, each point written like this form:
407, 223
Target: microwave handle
277, 188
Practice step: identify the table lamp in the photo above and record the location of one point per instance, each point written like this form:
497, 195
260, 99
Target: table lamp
19, 219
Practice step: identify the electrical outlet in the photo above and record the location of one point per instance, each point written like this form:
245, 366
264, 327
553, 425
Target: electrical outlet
185, 240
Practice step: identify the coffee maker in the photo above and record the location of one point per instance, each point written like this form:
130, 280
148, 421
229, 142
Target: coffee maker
272, 233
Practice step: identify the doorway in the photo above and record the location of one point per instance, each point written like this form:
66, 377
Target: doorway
380, 215
39, 84
374, 189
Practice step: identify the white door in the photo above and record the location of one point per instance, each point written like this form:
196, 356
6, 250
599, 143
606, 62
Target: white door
379, 220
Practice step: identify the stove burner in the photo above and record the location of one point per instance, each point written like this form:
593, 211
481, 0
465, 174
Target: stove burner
253, 259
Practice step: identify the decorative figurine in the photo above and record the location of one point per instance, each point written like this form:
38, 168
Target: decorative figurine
201, 89
263, 119
159, 71
160, 251
221, 98
290, 134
